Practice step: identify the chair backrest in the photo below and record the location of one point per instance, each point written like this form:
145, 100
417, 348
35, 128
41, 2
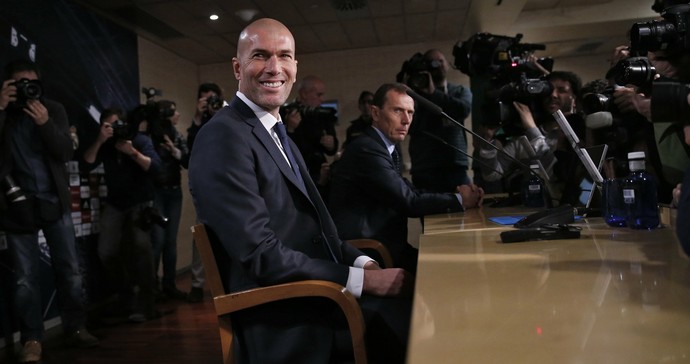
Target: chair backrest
203, 245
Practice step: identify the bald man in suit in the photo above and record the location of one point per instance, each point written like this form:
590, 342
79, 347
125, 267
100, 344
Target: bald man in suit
252, 190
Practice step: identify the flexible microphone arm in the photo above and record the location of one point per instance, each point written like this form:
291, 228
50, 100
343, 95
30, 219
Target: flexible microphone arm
440, 140
438, 111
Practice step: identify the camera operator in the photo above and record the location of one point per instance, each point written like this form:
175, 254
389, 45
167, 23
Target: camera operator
35, 147
544, 136
312, 127
435, 166
129, 160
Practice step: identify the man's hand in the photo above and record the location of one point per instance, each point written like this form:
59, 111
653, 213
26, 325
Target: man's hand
125, 147
472, 195
525, 113
37, 111
676, 195
391, 282
324, 174
8, 94
627, 99
105, 133
327, 141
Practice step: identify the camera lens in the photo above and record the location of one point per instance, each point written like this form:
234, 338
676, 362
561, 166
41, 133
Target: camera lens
12, 191
652, 36
32, 91
636, 71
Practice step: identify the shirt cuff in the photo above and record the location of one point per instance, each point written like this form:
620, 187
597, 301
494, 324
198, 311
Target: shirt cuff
355, 280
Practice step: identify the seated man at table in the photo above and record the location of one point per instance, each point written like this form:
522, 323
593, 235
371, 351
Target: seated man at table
369, 197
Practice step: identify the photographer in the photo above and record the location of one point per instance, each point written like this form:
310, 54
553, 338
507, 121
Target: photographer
312, 127
129, 160
209, 101
662, 101
35, 195
172, 149
435, 166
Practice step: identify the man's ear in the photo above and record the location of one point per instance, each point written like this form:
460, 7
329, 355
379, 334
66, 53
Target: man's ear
236, 67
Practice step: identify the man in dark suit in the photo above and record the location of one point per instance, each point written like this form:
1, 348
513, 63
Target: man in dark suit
370, 199
251, 188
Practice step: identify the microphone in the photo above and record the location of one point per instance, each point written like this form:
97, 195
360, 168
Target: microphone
433, 136
599, 120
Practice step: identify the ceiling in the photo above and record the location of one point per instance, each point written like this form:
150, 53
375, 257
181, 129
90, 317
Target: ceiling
567, 27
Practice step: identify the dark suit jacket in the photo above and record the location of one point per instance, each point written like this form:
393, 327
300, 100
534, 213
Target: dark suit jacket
271, 230
370, 199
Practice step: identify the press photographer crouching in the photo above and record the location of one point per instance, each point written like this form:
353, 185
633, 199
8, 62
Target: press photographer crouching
129, 160
35, 147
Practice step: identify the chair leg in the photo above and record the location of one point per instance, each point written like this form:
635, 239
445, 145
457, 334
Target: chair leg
225, 328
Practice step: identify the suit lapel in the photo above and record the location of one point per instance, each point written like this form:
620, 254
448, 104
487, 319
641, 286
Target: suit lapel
267, 141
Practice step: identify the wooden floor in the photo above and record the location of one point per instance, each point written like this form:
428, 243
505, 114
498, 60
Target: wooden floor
189, 334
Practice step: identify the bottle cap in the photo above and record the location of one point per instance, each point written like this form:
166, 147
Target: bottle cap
635, 155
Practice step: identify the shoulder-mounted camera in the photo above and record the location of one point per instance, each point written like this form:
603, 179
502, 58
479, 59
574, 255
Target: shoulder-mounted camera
415, 71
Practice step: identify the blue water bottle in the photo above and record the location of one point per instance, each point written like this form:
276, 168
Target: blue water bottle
639, 195
613, 209
533, 189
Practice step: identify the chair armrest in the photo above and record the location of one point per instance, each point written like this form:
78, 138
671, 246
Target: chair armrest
374, 245
309, 288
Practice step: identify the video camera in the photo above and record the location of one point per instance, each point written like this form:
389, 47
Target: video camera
669, 35
415, 72
504, 60
498, 56
151, 93
27, 90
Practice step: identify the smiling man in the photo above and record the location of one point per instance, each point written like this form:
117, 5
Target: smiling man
252, 190
370, 199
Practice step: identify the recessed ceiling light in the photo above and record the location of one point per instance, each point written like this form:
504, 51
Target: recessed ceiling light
213, 17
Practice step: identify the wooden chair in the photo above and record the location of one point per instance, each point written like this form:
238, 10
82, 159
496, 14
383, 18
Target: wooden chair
371, 244
225, 303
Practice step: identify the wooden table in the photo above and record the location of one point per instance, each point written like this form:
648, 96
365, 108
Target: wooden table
615, 295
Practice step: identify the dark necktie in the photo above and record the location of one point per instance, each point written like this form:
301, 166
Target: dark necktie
282, 135
396, 160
